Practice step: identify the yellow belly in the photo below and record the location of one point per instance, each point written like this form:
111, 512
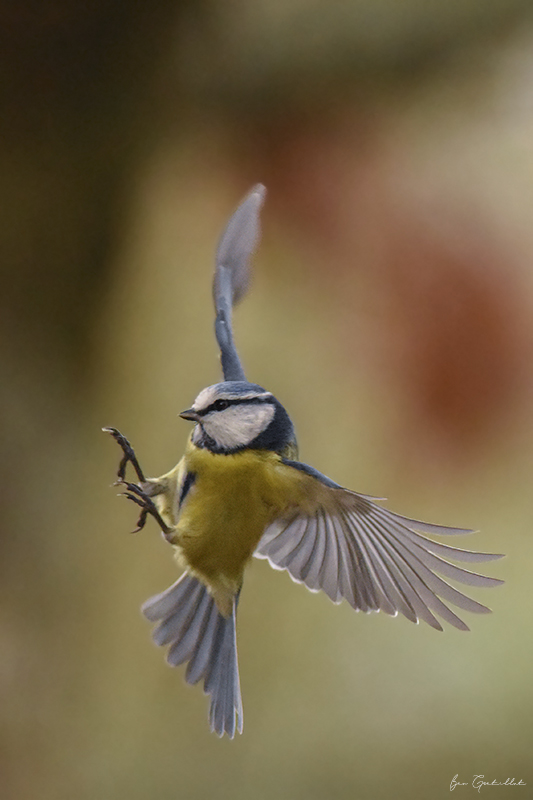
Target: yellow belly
233, 499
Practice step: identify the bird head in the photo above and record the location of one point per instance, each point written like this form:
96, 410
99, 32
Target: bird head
236, 415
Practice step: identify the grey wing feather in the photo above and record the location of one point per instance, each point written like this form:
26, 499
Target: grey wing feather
353, 549
232, 275
197, 633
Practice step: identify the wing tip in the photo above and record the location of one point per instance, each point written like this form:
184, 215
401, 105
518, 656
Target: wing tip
260, 191
495, 582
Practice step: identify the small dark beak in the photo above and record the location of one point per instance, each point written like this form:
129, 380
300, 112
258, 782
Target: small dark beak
190, 414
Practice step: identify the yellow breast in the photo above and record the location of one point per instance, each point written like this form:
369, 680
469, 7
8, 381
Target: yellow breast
233, 499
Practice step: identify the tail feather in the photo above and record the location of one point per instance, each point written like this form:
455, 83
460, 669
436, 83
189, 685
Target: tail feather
222, 675
197, 633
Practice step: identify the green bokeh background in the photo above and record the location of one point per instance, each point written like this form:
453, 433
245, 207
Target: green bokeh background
129, 135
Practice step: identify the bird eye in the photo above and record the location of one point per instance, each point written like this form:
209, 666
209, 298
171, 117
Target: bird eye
220, 405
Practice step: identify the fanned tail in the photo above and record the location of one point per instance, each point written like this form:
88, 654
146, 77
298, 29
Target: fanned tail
197, 633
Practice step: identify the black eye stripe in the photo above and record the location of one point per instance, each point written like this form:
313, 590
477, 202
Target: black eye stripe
236, 401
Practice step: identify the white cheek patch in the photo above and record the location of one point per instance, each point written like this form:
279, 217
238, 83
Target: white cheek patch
239, 425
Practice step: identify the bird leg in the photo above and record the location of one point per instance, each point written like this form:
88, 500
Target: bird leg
138, 493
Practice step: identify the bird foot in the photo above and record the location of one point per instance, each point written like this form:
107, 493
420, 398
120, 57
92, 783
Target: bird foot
128, 457
140, 497
138, 493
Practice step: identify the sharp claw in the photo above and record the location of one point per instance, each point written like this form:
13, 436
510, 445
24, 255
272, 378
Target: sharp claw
134, 498
141, 522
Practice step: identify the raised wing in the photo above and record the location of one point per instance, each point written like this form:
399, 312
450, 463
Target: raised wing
232, 274
354, 549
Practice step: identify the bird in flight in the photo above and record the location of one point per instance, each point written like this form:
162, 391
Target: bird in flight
240, 491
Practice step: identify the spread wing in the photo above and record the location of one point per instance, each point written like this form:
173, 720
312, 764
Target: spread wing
356, 550
232, 274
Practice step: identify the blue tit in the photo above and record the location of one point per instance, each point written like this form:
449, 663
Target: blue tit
240, 491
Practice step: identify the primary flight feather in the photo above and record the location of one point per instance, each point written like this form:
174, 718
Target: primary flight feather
240, 491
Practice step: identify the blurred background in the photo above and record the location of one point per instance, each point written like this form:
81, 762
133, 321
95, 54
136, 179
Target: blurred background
391, 312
